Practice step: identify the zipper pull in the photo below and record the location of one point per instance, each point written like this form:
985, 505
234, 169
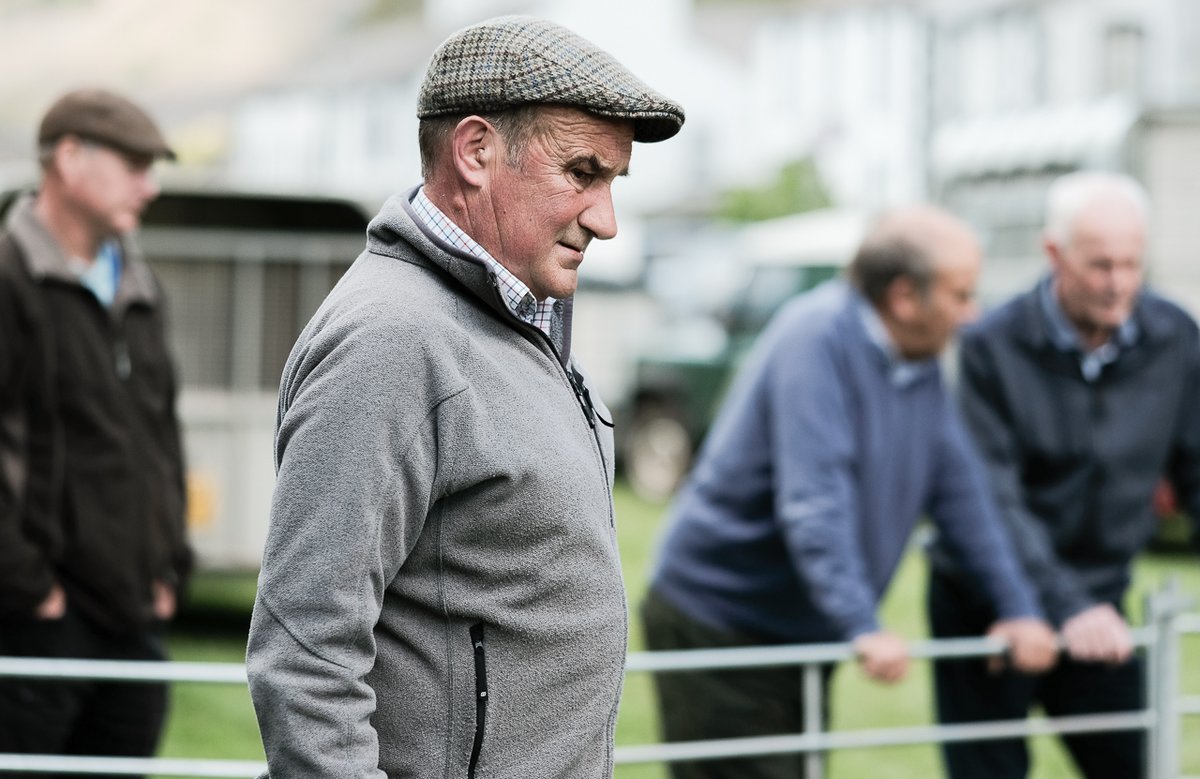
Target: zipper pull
581, 395
584, 395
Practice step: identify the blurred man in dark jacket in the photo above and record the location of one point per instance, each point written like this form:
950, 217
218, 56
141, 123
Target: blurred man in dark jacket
92, 547
1080, 394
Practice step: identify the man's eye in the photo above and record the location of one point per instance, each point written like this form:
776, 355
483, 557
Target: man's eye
581, 175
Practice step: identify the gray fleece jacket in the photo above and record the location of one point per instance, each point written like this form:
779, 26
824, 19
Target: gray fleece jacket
441, 594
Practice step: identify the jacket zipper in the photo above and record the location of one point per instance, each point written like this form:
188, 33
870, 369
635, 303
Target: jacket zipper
481, 696
582, 395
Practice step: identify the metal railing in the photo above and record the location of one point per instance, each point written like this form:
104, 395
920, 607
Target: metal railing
1159, 639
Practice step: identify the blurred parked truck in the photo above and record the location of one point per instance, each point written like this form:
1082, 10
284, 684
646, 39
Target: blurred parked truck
683, 373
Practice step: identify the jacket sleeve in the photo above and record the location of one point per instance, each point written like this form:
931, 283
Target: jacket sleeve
356, 460
989, 421
26, 576
962, 508
811, 434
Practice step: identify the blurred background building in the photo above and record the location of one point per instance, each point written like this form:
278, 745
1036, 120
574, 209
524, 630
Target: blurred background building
1024, 91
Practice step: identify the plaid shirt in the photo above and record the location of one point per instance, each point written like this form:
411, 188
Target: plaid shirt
518, 297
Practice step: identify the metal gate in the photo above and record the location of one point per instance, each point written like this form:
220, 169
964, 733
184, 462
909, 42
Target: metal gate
1158, 639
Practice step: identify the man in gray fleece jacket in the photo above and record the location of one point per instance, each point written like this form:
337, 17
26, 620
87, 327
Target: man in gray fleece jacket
441, 593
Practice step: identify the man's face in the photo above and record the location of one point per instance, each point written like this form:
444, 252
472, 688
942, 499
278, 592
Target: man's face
1098, 272
950, 302
108, 188
548, 207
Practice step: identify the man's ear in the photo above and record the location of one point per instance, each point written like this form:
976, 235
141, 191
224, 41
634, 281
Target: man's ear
1053, 250
902, 300
67, 158
474, 149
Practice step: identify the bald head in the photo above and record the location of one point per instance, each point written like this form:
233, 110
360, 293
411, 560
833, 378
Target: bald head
918, 266
909, 242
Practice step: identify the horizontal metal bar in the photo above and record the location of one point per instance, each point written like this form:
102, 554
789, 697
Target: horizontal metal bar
108, 766
693, 750
124, 670
1188, 623
857, 739
804, 654
1188, 704
682, 660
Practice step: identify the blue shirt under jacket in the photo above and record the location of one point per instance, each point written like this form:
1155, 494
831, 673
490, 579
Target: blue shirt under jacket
825, 455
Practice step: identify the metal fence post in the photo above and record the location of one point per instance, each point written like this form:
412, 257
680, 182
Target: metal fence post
1162, 681
814, 760
1150, 617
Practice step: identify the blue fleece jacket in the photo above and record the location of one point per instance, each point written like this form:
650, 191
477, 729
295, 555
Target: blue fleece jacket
825, 455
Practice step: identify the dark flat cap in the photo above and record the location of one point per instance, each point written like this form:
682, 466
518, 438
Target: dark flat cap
107, 118
512, 61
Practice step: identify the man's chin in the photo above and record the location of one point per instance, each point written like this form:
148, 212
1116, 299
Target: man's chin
1113, 319
123, 227
564, 280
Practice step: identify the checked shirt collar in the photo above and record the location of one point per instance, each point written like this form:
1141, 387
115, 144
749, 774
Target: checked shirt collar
517, 296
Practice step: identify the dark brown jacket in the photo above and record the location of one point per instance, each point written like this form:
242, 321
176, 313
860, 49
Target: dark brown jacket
91, 468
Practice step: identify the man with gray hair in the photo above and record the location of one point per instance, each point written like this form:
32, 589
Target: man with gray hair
1080, 393
835, 440
93, 548
441, 593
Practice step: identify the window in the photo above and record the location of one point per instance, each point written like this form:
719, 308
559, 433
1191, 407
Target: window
1124, 59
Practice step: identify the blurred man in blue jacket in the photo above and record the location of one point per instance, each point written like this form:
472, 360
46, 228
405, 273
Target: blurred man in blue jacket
836, 438
1080, 393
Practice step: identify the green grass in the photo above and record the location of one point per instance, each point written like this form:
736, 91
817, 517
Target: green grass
217, 721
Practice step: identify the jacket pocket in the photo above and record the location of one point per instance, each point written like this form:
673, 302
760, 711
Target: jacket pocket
481, 696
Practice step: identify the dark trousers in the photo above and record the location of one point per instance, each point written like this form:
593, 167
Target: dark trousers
966, 692
79, 717
696, 705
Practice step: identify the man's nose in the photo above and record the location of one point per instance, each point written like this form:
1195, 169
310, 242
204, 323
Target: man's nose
149, 186
599, 218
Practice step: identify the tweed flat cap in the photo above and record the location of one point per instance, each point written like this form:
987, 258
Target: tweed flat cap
105, 117
512, 61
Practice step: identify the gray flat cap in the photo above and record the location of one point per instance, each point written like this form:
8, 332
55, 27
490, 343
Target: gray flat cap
512, 61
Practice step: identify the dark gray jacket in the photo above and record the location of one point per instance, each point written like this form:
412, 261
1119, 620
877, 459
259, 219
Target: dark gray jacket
91, 465
441, 593
1075, 463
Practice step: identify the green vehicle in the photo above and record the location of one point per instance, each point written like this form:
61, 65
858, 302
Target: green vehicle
679, 386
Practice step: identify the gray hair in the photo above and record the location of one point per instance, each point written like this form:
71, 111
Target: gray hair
516, 127
1070, 194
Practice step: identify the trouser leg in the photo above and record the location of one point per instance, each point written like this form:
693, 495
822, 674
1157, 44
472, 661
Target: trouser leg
1093, 688
79, 717
698, 705
37, 715
965, 691
122, 719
